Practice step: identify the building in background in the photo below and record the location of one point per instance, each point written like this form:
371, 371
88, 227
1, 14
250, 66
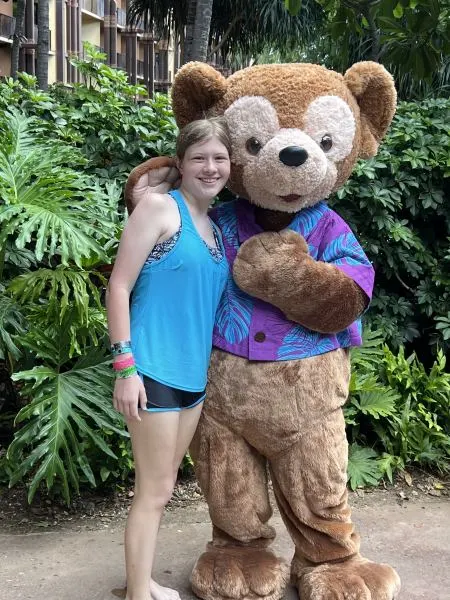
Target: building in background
7, 25
148, 61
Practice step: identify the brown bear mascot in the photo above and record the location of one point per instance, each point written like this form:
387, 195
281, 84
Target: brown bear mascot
280, 370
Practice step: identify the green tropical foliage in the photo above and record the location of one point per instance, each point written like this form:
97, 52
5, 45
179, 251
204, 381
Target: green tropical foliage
65, 157
409, 37
52, 313
106, 118
236, 32
397, 203
398, 412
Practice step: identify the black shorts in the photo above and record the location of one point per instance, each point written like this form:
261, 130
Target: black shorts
162, 397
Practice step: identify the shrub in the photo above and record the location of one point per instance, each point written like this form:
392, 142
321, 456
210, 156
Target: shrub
397, 203
62, 166
398, 413
107, 118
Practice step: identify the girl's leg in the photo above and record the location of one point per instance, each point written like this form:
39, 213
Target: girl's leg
187, 425
186, 428
154, 442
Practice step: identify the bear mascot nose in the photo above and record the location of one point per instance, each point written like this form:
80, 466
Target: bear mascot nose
293, 156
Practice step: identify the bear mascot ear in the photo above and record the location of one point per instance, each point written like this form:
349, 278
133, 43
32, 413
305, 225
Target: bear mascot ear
196, 88
374, 90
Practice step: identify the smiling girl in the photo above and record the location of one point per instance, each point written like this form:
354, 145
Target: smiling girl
171, 258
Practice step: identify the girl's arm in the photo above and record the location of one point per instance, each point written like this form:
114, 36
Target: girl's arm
149, 221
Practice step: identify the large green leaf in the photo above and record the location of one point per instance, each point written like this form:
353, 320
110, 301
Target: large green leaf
47, 205
11, 322
362, 467
62, 288
66, 407
376, 403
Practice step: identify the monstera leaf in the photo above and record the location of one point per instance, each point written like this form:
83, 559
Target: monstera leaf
46, 206
67, 406
11, 321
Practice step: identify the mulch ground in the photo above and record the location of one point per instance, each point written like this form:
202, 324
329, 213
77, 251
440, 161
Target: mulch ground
96, 508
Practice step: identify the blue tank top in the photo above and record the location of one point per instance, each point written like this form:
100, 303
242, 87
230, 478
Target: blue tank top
173, 307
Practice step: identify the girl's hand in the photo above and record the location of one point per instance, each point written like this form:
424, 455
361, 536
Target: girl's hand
129, 395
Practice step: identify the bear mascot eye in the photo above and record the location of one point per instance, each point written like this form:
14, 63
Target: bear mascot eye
326, 143
253, 146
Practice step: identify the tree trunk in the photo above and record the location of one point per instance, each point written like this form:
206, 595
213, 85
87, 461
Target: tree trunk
43, 45
197, 30
17, 37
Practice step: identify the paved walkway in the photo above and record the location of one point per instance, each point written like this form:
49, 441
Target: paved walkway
87, 564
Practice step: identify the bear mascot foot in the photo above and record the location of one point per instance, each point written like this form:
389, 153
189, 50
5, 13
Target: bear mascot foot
354, 579
240, 573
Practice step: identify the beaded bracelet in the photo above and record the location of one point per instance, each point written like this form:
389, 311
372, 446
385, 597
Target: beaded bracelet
127, 372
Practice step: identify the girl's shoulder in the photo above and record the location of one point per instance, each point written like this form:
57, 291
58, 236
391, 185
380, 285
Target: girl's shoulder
156, 206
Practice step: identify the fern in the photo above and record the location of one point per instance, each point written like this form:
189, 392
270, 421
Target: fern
370, 353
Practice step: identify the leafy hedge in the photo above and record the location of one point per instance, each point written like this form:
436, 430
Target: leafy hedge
398, 413
398, 204
65, 157
63, 162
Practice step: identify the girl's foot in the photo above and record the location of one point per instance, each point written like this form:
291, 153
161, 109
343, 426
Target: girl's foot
159, 592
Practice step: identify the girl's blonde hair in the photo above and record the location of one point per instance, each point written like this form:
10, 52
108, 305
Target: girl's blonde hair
201, 131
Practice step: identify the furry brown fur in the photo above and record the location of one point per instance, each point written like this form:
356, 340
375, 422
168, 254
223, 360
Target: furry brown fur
284, 418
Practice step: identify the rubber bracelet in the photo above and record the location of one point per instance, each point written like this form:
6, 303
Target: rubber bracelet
125, 373
123, 364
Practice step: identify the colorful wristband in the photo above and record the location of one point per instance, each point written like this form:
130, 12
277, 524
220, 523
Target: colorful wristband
122, 347
123, 364
125, 373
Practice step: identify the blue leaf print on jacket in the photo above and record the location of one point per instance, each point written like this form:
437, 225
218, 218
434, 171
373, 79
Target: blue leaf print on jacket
227, 223
308, 218
234, 313
300, 342
345, 249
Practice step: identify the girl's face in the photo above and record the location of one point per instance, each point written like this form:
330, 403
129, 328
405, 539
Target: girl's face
205, 168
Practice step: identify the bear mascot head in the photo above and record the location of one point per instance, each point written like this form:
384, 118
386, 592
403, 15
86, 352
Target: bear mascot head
279, 371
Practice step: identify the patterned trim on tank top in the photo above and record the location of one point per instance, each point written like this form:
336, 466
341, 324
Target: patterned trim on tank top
163, 248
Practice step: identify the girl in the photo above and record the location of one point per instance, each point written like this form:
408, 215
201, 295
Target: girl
171, 256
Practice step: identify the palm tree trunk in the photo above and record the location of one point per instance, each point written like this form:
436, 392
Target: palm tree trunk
43, 46
197, 30
189, 37
17, 37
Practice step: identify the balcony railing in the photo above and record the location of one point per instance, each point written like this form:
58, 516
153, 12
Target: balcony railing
94, 6
7, 26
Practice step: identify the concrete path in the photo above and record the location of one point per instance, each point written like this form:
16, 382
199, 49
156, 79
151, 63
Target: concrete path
83, 564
